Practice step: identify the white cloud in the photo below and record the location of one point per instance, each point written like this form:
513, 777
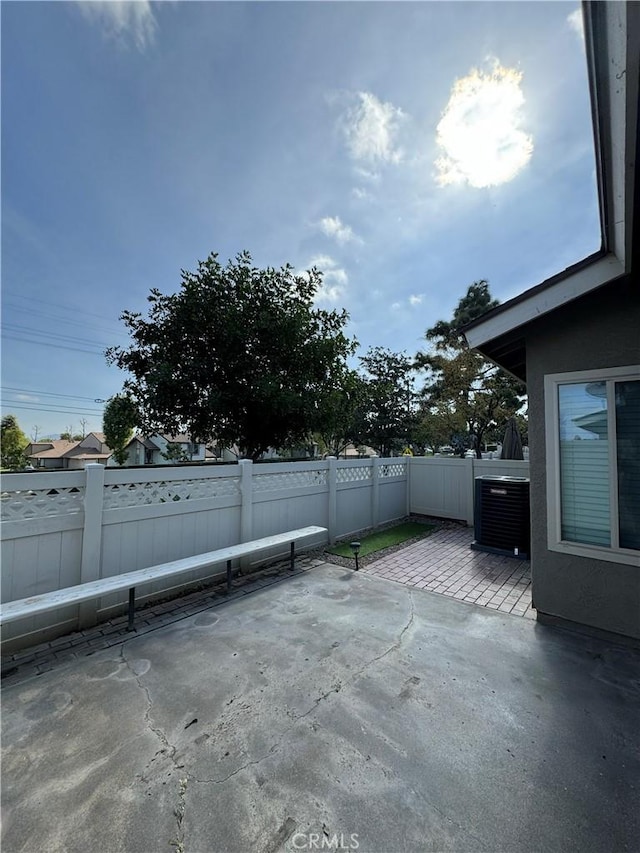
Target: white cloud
333, 226
360, 193
416, 299
321, 261
396, 305
576, 22
121, 20
480, 130
371, 129
334, 281
368, 174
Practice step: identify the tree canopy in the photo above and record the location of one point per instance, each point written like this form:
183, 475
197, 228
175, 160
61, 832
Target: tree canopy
462, 386
385, 418
13, 442
238, 355
118, 423
339, 403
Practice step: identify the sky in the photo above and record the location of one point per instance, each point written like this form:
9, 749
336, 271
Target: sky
406, 149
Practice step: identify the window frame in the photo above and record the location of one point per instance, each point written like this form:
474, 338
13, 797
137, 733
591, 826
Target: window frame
612, 553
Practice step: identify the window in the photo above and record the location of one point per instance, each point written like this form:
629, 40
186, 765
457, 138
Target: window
593, 463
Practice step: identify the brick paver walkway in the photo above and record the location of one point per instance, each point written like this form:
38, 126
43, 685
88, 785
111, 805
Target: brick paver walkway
445, 563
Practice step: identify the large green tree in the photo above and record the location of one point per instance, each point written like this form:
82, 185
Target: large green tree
338, 404
238, 355
461, 381
436, 425
118, 423
13, 443
385, 416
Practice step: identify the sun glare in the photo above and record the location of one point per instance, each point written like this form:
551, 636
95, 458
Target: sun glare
480, 131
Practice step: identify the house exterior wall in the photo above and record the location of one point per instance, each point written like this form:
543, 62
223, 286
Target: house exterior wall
598, 331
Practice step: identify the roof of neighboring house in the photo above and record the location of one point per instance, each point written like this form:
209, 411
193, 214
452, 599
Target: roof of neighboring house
57, 448
87, 454
612, 33
98, 435
145, 442
177, 439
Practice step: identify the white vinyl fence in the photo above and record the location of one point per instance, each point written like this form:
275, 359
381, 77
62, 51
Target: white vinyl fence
70, 527
444, 486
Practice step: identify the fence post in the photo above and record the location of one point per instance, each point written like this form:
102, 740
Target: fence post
246, 494
471, 492
246, 506
407, 472
375, 492
90, 566
333, 498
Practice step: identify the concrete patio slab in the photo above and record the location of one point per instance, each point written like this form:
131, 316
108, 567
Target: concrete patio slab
334, 706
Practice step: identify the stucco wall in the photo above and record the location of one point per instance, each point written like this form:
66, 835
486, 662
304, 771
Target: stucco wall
598, 331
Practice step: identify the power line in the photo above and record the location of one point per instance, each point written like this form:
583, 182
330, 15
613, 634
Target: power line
48, 410
33, 312
58, 305
50, 394
55, 346
15, 327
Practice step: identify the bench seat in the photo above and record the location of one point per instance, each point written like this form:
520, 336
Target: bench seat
14, 610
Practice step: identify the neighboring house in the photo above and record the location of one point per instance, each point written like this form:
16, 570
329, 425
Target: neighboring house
140, 451
155, 449
90, 449
575, 339
60, 454
49, 454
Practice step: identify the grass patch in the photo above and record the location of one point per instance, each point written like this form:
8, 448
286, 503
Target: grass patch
385, 538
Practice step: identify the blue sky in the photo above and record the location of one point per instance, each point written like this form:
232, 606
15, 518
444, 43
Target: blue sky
407, 149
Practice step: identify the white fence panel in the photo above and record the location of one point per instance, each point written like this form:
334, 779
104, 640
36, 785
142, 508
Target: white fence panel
136, 544
42, 521
442, 487
64, 528
500, 467
393, 500
287, 496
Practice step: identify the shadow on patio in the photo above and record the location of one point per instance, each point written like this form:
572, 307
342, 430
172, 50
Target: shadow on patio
328, 705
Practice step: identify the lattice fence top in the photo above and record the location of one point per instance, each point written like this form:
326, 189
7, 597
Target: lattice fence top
289, 480
393, 469
356, 474
121, 495
41, 503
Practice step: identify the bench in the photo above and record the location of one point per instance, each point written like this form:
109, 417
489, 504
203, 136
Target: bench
14, 610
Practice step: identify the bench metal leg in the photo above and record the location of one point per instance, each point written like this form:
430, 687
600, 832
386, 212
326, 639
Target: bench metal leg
132, 599
293, 550
228, 575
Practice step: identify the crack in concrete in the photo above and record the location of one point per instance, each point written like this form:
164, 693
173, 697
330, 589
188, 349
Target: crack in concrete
147, 714
480, 841
269, 752
394, 646
274, 747
337, 687
170, 751
178, 841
